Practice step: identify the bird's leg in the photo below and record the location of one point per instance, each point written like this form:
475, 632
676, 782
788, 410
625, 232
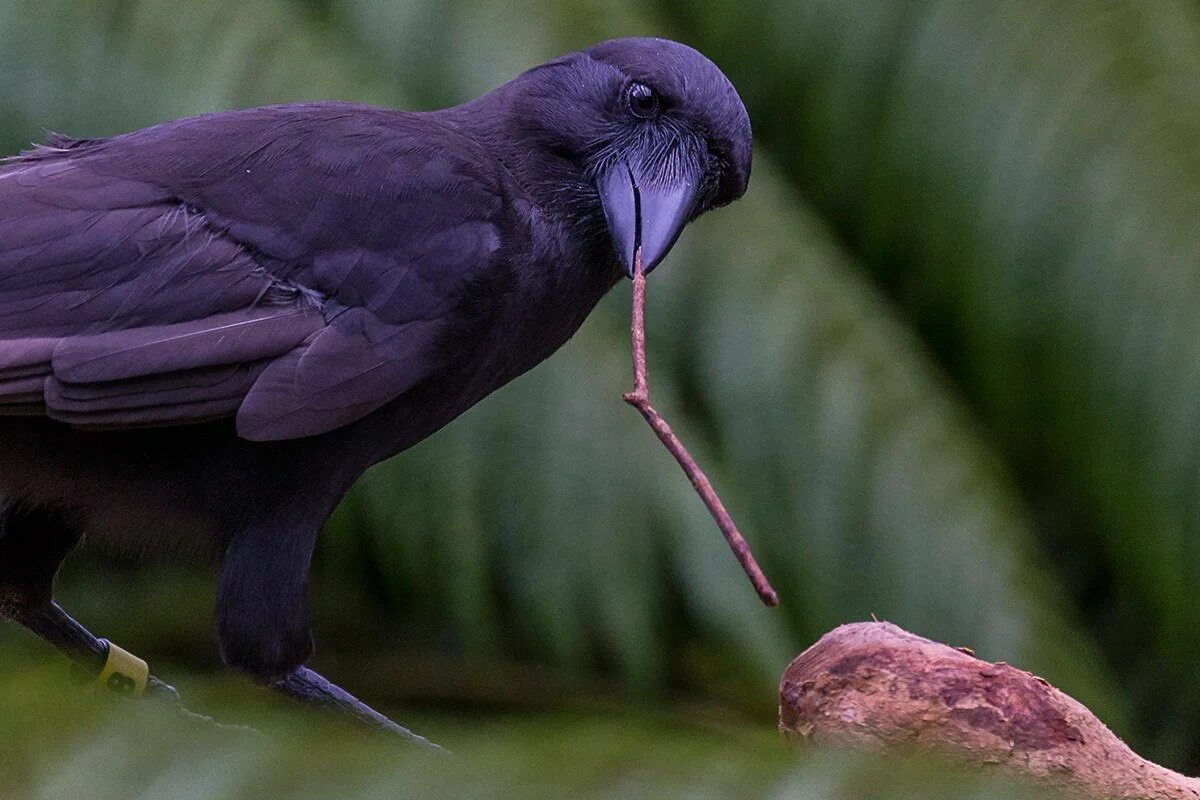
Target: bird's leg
47, 619
307, 687
33, 546
262, 622
89, 654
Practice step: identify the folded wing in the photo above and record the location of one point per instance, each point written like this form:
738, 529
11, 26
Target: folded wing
119, 308
124, 302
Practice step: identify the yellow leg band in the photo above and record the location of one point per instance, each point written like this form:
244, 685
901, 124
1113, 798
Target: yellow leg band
123, 673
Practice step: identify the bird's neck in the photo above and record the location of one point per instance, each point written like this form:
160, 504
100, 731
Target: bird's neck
561, 189
574, 264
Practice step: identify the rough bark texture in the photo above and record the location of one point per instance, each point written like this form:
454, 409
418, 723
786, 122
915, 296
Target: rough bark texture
875, 684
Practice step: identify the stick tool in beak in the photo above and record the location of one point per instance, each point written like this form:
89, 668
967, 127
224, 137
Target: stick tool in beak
639, 398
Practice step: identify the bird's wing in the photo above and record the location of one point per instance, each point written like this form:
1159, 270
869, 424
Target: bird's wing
297, 267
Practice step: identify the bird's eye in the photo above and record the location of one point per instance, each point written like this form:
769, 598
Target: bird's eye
643, 101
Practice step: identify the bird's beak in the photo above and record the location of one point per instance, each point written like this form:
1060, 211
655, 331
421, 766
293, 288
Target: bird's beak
644, 212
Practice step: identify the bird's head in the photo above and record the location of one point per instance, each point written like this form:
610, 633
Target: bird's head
649, 126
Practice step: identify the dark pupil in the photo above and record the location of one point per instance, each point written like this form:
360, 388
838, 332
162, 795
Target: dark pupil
643, 100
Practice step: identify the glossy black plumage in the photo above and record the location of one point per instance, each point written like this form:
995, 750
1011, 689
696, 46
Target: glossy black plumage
342, 221
209, 328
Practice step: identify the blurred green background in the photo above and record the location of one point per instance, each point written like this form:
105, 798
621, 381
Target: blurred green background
943, 363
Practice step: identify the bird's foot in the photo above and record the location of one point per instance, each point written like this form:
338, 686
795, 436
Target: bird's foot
307, 687
96, 661
127, 675
166, 694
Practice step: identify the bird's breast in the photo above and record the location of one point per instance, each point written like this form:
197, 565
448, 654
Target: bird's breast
501, 338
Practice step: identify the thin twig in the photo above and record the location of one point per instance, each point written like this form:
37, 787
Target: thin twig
639, 398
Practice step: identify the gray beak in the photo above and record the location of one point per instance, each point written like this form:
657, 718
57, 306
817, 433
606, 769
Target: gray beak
644, 212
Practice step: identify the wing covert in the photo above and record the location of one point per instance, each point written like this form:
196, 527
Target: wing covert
200, 269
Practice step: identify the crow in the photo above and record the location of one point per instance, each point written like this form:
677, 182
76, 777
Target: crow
210, 328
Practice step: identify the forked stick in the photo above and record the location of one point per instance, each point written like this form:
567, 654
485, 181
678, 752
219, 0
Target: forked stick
639, 398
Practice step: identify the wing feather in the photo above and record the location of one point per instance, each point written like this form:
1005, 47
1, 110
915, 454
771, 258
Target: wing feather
296, 266
220, 339
150, 417
341, 374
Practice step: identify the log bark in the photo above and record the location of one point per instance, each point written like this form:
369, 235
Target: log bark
877, 685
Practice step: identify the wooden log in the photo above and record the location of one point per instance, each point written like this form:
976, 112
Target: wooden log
877, 685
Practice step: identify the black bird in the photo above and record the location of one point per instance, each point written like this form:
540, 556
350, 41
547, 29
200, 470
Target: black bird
210, 328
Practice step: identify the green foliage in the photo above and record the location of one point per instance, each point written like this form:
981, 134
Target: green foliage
83, 745
1023, 176
1019, 179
